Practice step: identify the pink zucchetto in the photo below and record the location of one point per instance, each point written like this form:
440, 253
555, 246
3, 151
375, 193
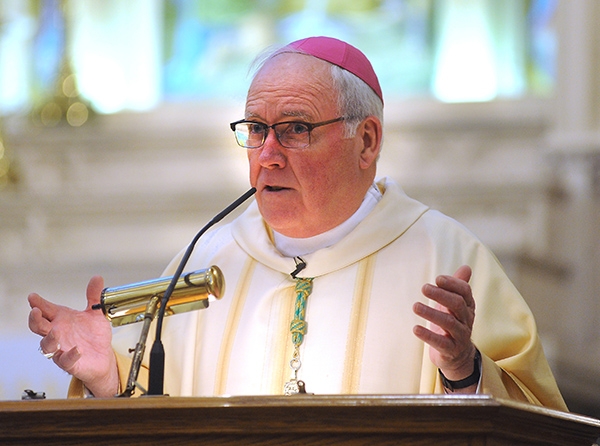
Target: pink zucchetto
341, 54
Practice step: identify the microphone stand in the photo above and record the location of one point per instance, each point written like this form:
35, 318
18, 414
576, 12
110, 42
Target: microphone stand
157, 353
140, 347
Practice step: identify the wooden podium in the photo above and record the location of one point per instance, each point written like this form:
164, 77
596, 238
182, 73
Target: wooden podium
279, 420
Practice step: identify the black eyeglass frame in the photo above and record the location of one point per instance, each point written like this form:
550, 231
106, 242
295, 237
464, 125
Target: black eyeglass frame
310, 126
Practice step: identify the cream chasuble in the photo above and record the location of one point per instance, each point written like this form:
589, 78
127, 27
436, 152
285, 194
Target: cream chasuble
359, 314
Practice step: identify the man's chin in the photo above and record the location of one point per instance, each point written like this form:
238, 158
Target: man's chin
280, 218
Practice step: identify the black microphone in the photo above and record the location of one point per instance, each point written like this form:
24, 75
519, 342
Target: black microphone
157, 354
300, 265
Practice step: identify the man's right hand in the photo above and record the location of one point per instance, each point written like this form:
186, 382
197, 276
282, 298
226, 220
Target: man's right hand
80, 340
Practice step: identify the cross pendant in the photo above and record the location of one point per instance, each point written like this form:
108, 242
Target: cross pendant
294, 387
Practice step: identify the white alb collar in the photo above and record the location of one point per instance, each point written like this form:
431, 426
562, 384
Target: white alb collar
294, 247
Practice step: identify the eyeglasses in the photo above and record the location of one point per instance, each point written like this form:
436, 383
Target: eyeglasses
290, 134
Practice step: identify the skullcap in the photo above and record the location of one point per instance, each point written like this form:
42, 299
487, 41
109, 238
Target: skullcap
341, 54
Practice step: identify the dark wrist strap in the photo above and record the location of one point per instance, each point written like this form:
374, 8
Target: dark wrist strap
473, 378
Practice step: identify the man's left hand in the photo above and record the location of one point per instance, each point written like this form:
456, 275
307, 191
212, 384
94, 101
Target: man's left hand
449, 334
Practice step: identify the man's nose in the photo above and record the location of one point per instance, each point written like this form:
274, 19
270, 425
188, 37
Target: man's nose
272, 152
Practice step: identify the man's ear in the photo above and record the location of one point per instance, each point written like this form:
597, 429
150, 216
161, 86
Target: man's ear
370, 133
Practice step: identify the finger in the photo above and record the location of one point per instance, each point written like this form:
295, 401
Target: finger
463, 273
67, 360
446, 322
459, 283
455, 286
37, 323
446, 333
49, 343
434, 340
94, 291
449, 301
48, 309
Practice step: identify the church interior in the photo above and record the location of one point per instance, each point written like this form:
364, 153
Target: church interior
115, 147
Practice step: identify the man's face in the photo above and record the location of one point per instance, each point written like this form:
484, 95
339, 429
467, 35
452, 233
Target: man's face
303, 192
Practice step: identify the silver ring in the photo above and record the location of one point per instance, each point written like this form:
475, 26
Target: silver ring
49, 355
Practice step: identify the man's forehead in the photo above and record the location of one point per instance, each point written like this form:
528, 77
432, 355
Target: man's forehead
292, 85
295, 61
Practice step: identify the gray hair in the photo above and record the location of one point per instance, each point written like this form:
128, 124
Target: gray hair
356, 100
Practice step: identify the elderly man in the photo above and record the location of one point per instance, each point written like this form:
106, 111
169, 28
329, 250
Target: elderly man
334, 279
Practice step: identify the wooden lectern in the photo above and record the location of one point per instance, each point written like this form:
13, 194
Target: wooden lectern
299, 420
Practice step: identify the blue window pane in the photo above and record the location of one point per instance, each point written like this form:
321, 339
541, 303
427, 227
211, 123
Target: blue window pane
197, 50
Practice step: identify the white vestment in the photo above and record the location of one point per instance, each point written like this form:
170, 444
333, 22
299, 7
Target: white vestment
360, 321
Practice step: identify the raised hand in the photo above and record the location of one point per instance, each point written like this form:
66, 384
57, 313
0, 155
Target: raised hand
449, 334
79, 342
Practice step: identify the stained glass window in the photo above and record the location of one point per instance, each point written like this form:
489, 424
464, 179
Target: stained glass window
133, 55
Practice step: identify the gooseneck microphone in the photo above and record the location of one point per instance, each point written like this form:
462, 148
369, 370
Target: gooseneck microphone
168, 295
157, 354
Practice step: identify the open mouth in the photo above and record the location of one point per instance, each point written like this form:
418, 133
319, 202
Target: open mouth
274, 188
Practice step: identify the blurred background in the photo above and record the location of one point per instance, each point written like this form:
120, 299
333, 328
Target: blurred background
115, 147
